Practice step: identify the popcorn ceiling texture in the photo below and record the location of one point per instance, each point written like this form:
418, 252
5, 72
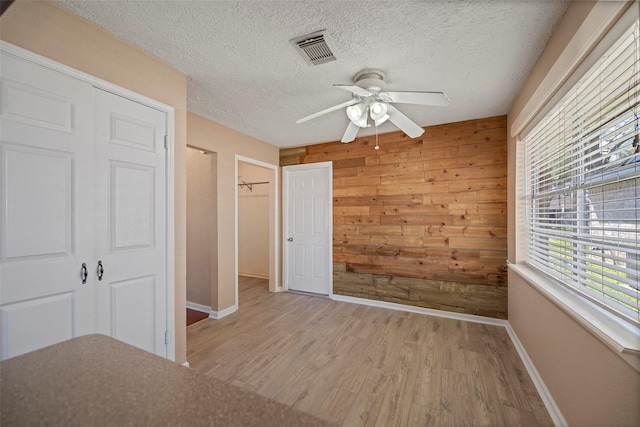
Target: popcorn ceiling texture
244, 73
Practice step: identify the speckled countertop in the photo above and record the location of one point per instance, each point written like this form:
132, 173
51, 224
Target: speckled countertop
95, 380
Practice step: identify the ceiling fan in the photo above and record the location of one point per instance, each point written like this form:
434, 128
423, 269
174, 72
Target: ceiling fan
370, 99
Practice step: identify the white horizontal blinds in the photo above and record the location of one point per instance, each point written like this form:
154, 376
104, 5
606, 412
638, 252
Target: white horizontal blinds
582, 174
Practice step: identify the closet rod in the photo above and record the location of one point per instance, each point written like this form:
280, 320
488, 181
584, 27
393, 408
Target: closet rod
250, 185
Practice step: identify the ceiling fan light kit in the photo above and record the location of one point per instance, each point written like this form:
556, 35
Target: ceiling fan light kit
378, 112
371, 99
358, 114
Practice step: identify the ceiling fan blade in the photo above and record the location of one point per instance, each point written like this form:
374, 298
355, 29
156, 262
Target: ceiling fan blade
351, 132
354, 89
403, 122
328, 110
437, 99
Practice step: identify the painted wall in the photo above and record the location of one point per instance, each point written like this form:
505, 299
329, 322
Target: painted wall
201, 202
591, 384
421, 221
51, 31
253, 221
226, 143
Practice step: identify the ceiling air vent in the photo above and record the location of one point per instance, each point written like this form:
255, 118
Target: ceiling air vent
315, 48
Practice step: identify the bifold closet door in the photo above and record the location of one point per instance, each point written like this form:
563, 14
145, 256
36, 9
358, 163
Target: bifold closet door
130, 173
82, 213
46, 207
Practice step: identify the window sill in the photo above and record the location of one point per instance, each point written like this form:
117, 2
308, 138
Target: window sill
617, 334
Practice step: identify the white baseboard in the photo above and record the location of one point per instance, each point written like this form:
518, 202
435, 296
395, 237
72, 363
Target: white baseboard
543, 391
223, 313
198, 307
257, 276
421, 310
212, 313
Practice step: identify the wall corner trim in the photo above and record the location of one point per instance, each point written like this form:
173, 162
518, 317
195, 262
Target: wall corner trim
223, 313
543, 391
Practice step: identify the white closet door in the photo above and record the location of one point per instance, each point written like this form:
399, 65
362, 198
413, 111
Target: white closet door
46, 207
130, 242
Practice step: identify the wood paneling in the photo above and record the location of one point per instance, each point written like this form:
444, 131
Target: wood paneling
421, 221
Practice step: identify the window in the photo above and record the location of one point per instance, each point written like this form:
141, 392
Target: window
582, 183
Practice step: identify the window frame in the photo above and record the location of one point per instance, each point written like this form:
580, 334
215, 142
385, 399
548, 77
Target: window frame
618, 333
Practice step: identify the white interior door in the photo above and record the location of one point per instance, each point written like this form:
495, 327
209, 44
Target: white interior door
131, 242
46, 210
308, 227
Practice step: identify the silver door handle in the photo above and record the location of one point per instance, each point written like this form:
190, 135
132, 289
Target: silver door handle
84, 273
100, 270
290, 239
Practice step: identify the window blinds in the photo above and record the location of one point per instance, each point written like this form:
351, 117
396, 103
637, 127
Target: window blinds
582, 183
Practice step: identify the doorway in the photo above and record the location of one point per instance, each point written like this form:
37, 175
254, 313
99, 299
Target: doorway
256, 225
253, 221
202, 242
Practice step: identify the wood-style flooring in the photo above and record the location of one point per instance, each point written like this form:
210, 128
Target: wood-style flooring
194, 316
356, 365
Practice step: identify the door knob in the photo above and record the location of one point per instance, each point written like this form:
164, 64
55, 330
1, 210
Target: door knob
290, 239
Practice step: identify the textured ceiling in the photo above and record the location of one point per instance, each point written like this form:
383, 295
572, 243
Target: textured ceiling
244, 73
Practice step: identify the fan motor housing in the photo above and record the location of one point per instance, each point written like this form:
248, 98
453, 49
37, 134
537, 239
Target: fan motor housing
370, 79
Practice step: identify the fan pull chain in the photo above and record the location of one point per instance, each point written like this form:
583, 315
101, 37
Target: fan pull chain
377, 147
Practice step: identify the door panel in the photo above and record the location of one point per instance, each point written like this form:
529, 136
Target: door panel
133, 133
131, 165
308, 232
132, 215
37, 323
35, 180
33, 106
46, 212
318, 259
132, 303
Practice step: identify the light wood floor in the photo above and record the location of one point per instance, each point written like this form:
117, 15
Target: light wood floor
356, 365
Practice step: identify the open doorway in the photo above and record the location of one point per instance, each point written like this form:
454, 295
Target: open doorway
253, 221
206, 194
202, 243
257, 222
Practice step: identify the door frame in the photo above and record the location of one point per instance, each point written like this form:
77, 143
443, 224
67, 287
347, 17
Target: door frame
286, 170
274, 215
170, 168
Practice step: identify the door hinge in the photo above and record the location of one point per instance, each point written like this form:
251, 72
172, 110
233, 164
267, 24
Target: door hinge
166, 141
167, 337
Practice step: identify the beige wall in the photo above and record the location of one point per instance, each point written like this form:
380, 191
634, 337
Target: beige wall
200, 201
253, 221
591, 384
51, 31
226, 143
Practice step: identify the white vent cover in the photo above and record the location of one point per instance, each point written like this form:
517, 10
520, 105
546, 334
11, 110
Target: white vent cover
315, 48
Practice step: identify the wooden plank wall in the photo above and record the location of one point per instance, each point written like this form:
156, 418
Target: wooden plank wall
421, 221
